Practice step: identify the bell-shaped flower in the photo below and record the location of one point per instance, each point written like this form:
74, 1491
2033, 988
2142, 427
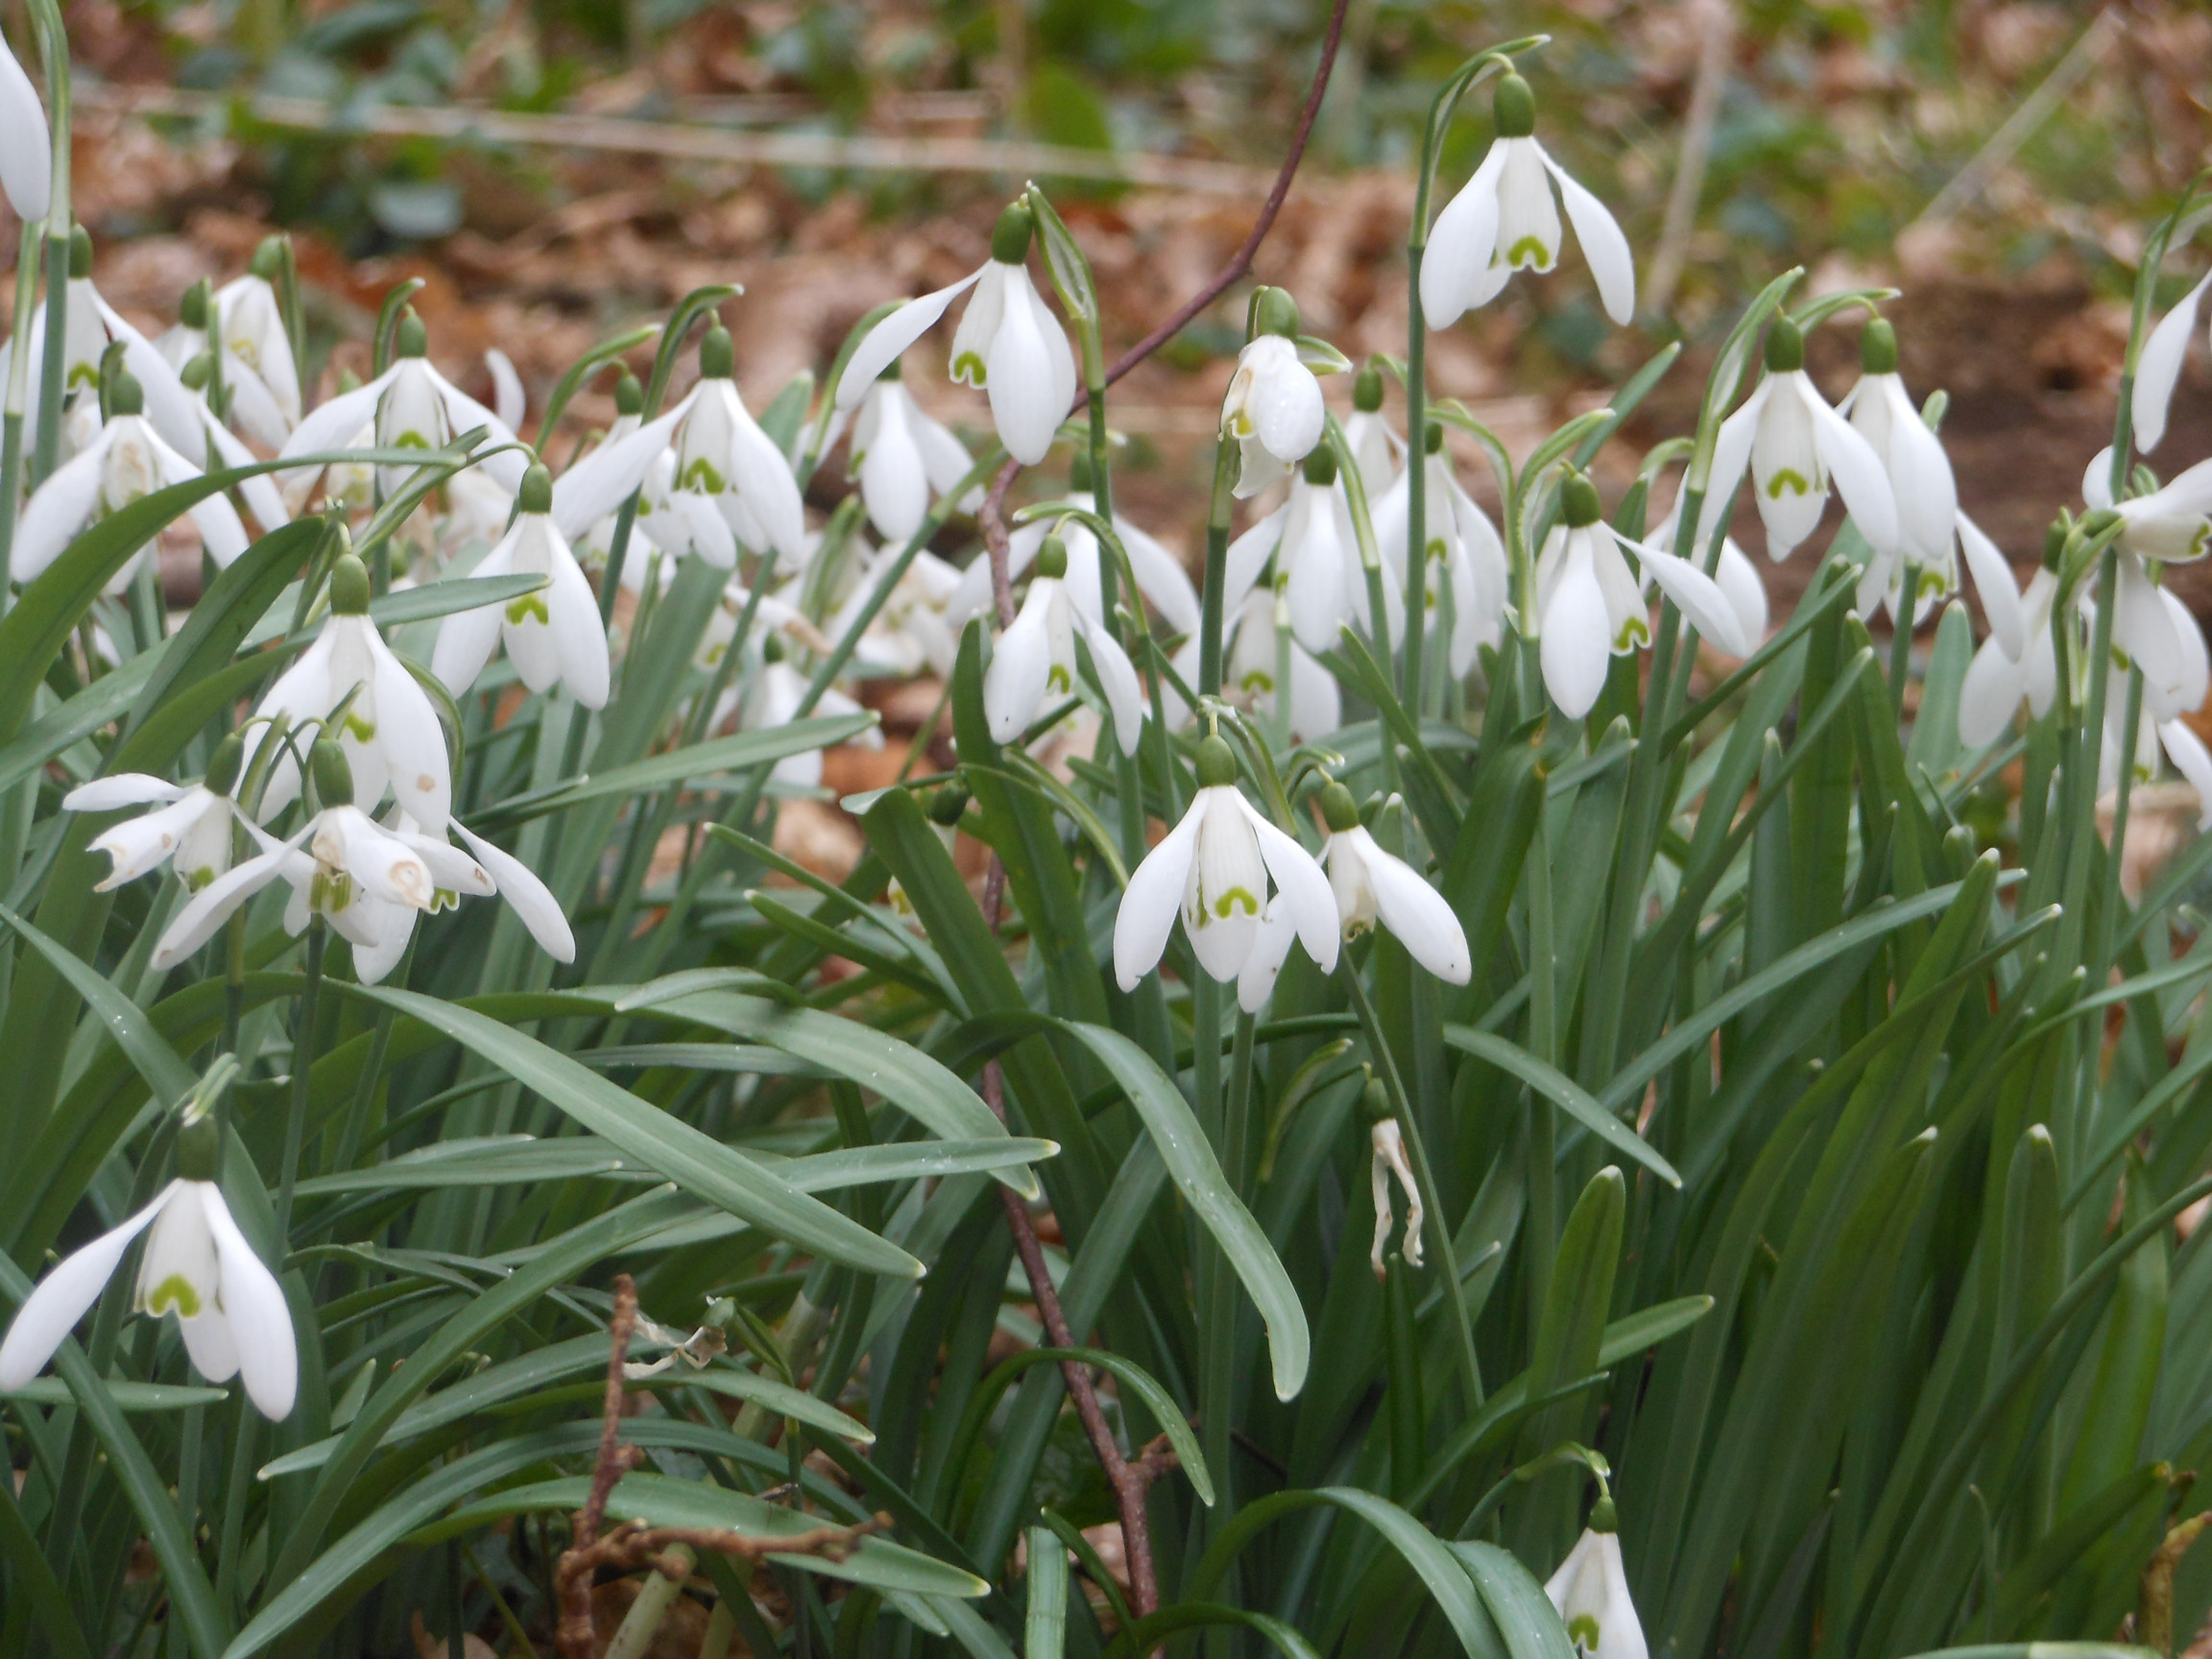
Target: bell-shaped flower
1373, 447
1794, 443
1737, 577
26, 145
554, 635
2018, 662
197, 1265
454, 874
1315, 552
244, 318
732, 486
390, 731
1387, 1162
1273, 409
2173, 523
191, 825
1036, 658
903, 458
2158, 370
1504, 220
1214, 870
1007, 344
409, 406
1591, 608
1591, 1592
1257, 649
772, 700
1464, 549
127, 462
1160, 575
913, 629
1920, 482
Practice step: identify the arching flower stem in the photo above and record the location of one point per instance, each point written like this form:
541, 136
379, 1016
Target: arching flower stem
302, 1066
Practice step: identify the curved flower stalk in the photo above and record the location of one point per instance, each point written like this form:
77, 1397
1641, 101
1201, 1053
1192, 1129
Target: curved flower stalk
1273, 409
1214, 870
1374, 446
1592, 608
26, 144
1007, 344
1035, 657
1920, 482
1591, 1592
1463, 541
126, 462
1388, 1163
191, 827
409, 406
555, 635
1504, 220
1794, 443
196, 1264
903, 458
1160, 575
390, 731
1370, 886
2158, 368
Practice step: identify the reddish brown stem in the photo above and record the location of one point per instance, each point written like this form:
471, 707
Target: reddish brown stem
574, 1638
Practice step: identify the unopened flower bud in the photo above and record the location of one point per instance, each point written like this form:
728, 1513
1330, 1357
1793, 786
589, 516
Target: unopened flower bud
537, 492
1367, 390
1338, 810
1878, 347
411, 339
718, 357
1579, 503
349, 586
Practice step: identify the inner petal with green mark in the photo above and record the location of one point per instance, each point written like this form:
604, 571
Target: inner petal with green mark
1529, 251
1236, 898
1583, 1628
1257, 682
174, 1293
968, 369
1789, 479
701, 475
1056, 680
530, 605
359, 730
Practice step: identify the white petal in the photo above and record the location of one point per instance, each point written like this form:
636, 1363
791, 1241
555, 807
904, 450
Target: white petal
253, 405
466, 638
1461, 243
894, 478
579, 635
1602, 244
211, 906
1416, 915
1576, 641
58, 511
607, 478
1301, 884
1287, 411
1927, 495
221, 532
1124, 695
62, 1297
1149, 904
761, 474
1021, 668
1697, 596
1316, 702
138, 844
1270, 950
1857, 469
1162, 577
882, 344
379, 933
529, 897
333, 426
211, 1344
1731, 454
2193, 681
2143, 627
1621, 1636
509, 401
412, 743
26, 147
261, 1322
2097, 479
2190, 758
2160, 368
260, 490
124, 789
1989, 695
1248, 556
172, 411
1747, 595
1993, 581
1030, 394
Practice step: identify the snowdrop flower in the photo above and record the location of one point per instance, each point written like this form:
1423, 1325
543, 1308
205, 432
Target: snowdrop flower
732, 485
260, 492
2158, 370
913, 629
26, 146
553, 634
1387, 1161
390, 732
259, 373
1794, 443
2017, 663
197, 1265
1463, 541
454, 874
2171, 523
354, 873
1214, 870
1160, 575
1257, 637
192, 826
902, 457
1035, 657
90, 326
1591, 608
772, 700
1373, 445
1737, 577
1504, 220
127, 462
409, 406
1920, 481
1318, 569
1007, 344
1273, 408
1591, 1590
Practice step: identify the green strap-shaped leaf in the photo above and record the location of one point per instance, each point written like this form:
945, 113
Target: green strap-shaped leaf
1045, 1622
1524, 1614
733, 754
1140, 1382
1563, 1092
167, 1076
1143, 1636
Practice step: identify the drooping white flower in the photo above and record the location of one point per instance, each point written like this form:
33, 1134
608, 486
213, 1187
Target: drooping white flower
1591, 1590
2016, 663
2158, 370
903, 458
409, 406
1465, 547
126, 462
773, 699
191, 825
2173, 523
1214, 869
197, 1265
1035, 657
1007, 344
1794, 444
913, 629
454, 874
26, 145
260, 492
1591, 608
554, 635
390, 732
1920, 482
244, 318
732, 485
1160, 575
1257, 643
1504, 220
1273, 408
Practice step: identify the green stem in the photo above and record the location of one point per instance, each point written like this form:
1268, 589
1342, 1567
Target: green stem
303, 1062
1217, 514
1218, 1357
1417, 441
18, 397
47, 448
54, 53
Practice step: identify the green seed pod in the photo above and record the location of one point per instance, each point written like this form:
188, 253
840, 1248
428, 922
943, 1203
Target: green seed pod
1277, 313
1052, 557
1367, 390
1338, 810
948, 805
1878, 347
349, 586
1321, 465
1784, 347
537, 492
199, 1148
411, 339
80, 253
629, 394
1603, 1517
718, 357
332, 772
1010, 236
1514, 106
224, 766
1578, 502
1216, 763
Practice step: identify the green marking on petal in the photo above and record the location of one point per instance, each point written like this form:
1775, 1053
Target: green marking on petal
1634, 632
1056, 680
530, 605
1583, 1628
1235, 899
968, 369
359, 730
1240, 425
1788, 479
195, 879
410, 441
1436, 549
1257, 682
701, 476
443, 899
1527, 252
173, 1294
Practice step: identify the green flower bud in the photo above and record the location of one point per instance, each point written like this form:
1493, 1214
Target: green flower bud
1514, 106
1338, 810
349, 586
1216, 763
224, 766
537, 492
1578, 502
1367, 390
1010, 236
1878, 347
718, 357
80, 252
1784, 347
629, 394
948, 804
411, 339
332, 772
199, 1147
1277, 313
1052, 557
1321, 465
